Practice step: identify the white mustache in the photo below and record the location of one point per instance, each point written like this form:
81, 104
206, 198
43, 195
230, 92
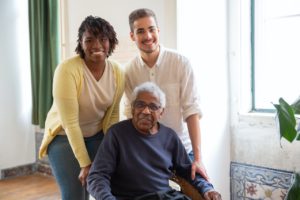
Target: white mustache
146, 117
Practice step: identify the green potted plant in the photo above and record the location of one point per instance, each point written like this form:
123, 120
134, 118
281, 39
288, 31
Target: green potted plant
288, 129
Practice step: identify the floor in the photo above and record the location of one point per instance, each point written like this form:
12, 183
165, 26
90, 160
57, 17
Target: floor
30, 187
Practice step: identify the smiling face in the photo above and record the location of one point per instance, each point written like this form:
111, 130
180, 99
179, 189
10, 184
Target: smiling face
95, 48
146, 112
146, 34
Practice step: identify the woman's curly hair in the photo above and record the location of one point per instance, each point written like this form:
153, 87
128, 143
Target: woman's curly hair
97, 26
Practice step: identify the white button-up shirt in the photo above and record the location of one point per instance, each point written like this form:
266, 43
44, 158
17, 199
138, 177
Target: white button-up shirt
174, 75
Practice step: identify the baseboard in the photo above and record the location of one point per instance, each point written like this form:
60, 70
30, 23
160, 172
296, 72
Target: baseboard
18, 171
26, 170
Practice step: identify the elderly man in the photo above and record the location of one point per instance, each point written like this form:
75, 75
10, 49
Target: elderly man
138, 156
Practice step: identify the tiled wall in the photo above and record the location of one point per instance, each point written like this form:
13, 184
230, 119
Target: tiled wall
249, 182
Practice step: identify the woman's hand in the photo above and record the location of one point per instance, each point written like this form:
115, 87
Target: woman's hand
84, 172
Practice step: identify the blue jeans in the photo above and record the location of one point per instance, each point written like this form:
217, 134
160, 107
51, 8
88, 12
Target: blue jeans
191, 156
65, 166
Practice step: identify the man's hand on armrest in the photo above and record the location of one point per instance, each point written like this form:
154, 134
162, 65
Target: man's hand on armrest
212, 195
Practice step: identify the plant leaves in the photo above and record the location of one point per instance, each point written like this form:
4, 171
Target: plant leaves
286, 119
296, 106
294, 191
298, 131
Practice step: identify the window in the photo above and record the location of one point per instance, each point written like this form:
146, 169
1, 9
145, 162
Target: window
275, 52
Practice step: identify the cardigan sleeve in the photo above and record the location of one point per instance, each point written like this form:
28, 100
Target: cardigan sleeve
66, 87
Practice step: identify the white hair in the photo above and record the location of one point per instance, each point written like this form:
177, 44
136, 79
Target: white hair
151, 88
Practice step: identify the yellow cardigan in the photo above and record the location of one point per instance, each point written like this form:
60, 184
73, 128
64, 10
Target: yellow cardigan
67, 85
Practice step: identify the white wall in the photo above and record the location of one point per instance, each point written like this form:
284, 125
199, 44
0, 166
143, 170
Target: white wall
255, 137
116, 12
202, 36
17, 145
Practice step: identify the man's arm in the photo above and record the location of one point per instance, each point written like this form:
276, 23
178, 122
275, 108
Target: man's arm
127, 92
182, 167
127, 105
191, 114
193, 125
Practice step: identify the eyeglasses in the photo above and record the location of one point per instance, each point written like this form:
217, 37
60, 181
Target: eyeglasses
140, 105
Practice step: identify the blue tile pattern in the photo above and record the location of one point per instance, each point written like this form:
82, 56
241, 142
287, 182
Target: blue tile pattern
249, 182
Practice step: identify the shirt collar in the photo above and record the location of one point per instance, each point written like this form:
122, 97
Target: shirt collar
157, 64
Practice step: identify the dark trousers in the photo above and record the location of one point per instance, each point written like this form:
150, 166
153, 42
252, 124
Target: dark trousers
164, 195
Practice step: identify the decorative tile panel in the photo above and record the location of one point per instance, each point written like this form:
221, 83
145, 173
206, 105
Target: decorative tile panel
249, 182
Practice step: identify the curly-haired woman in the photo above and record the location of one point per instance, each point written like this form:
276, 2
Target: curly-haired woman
87, 89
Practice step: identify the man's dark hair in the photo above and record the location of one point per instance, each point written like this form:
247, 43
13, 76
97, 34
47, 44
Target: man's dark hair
97, 26
140, 13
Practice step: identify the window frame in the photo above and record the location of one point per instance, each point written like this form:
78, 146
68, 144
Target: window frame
253, 46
